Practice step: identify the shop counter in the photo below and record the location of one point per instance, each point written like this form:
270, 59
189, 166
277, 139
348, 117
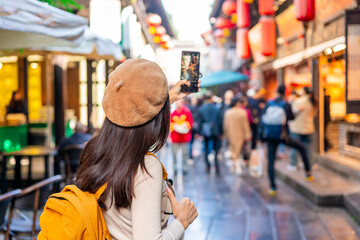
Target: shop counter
13, 138
349, 139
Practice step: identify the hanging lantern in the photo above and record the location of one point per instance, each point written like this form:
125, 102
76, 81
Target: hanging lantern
164, 38
243, 14
224, 23
153, 20
304, 10
160, 30
248, 1
242, 44
268, 36
229, 7
152, 30
156, 39
165, 46
266, 7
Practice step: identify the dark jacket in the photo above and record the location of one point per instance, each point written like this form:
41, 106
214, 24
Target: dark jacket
209, 112
76, 138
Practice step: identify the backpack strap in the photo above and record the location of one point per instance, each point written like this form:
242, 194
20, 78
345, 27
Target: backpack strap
169, 182
82, 211
163, 168
100, 191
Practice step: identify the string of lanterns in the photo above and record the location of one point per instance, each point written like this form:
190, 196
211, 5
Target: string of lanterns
157, 31
237, 14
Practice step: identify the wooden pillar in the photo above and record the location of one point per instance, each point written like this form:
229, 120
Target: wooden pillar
26, 85
107, 69
59, 107
90, 71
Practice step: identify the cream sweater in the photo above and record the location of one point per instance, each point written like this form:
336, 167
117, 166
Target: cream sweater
304, 116
146, 218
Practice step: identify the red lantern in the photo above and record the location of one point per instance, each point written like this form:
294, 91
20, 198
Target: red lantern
266, 7
243, 14
242, 44
153, 20
164, 38
160, 30
268, 36
224, 23
304, 10
229, 7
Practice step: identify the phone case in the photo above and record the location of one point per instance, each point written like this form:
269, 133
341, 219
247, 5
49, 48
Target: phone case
190, 70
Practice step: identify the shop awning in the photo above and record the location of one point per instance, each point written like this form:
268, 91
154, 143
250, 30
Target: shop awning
288, 60
92, 43
312, 51
222, 77
31, 24
308, 53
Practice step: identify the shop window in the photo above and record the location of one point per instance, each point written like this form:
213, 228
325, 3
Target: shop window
83, 93
332, 75
34, 91
8, 82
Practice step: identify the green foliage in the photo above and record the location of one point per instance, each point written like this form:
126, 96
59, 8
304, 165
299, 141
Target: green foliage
68, 5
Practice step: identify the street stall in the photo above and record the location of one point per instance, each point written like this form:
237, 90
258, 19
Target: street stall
27, 24
220, 81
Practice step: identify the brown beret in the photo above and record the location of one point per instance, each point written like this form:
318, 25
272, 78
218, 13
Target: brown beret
136, 93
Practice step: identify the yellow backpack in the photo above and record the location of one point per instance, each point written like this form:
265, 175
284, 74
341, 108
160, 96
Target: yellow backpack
73, 215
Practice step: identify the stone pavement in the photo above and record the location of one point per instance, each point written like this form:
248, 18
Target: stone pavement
232, 208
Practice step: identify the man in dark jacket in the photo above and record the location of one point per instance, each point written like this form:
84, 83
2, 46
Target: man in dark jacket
210, 128
273, 143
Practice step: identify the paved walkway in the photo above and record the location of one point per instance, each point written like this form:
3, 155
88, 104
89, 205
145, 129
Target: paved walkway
232, 208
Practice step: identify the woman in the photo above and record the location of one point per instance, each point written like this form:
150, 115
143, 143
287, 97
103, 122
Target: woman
236, 130
302, 127
16, 105
136, 203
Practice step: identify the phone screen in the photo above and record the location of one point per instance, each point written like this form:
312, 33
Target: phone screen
190, 67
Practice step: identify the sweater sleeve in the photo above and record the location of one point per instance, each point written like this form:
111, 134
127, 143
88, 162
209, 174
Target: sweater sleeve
146, 206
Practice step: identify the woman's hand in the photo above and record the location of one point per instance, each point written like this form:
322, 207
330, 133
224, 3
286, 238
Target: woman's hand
176, 94
183, 210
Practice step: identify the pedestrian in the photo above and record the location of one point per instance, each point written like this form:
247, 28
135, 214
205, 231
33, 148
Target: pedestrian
247, 145
225, 105
327, 119
180, 134
135, 204
192, 105
210, 128
236, 131
80, 136
275, 131
303, 126
256, 106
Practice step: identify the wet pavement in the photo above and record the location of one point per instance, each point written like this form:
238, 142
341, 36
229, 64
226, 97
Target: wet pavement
232, 208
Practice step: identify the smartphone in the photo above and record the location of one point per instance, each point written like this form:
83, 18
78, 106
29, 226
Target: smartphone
190, 70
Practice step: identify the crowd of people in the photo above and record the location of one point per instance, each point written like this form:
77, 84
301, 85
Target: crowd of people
233, 126
119, 165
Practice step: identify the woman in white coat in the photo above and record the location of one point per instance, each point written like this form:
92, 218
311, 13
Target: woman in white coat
302, 127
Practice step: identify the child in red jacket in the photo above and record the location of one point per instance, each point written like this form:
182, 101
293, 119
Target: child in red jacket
180, 133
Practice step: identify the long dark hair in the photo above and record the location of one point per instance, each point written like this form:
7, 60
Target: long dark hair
114, 155
14, 103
